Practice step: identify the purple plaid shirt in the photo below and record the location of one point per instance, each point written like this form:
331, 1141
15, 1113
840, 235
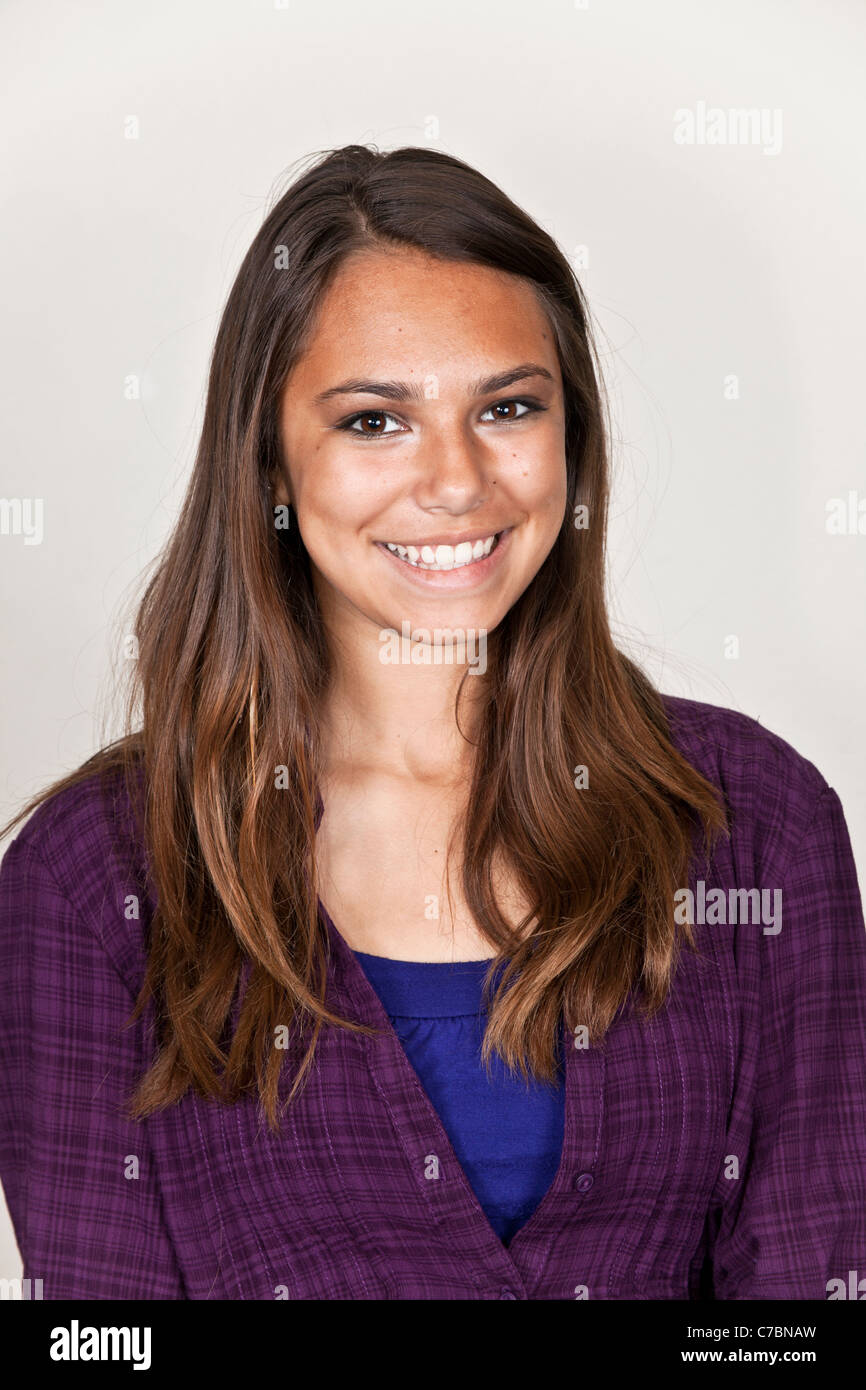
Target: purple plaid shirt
718, 1150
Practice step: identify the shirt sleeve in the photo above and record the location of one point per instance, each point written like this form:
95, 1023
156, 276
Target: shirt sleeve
79, 1178
791, 1220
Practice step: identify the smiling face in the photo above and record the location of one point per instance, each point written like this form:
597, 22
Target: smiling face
423, 437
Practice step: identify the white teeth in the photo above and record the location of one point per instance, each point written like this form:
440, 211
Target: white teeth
443, 557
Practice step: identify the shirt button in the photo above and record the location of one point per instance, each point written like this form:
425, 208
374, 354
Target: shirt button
584, 1182
506, 1293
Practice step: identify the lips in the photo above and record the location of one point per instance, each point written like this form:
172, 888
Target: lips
444, 556
447, 538
452, 575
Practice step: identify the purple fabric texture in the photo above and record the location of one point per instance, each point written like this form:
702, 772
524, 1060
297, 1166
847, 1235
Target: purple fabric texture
718, 1150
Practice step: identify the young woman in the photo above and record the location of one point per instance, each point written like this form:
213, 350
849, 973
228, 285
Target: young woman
410, 945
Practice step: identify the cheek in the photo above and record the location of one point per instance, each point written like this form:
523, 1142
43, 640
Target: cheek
333, 487
537, 478
339, 497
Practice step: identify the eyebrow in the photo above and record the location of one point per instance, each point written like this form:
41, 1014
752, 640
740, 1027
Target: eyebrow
414, 391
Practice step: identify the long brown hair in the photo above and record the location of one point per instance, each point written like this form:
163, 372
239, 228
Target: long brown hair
232, 664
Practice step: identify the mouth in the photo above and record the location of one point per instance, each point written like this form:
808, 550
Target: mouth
445, 557
449, 566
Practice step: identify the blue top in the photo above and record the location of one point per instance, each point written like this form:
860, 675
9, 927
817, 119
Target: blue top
507, 1137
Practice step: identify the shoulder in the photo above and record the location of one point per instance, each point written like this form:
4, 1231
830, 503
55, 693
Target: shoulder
731, 744
80, 850
771, 790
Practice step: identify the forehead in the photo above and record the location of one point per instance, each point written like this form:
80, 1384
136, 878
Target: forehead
401, 306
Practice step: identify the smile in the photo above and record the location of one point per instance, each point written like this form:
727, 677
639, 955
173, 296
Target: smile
444, 557
468, 566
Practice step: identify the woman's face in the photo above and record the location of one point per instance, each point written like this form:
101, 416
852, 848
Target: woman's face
426, 414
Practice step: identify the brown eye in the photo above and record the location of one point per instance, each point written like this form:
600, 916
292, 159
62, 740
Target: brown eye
375, 422
512, 410
370, 424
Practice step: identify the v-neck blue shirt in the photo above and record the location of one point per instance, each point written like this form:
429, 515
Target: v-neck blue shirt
507, 1135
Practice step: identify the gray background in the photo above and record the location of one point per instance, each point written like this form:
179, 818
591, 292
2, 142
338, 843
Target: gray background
704, 261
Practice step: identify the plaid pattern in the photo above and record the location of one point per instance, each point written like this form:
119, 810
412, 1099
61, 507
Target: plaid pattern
718, 1150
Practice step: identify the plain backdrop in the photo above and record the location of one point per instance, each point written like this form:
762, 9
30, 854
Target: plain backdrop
726, 281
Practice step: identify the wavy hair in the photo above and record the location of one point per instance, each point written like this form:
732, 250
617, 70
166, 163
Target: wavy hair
233, 663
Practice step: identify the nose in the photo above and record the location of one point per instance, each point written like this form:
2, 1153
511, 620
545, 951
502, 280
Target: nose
453, 470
